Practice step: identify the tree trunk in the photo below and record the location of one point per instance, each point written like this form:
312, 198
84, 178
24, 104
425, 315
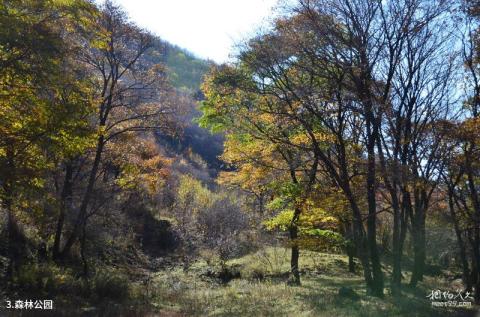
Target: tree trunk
397, 254
474, 271
418, 237
81, 218
13, 247
377, 274
65, 198
350, 248
82, 250
293, 230
461, 244
476, 254
361, 245
351, 261
398, 237
398, 217
16, 242
474, 196
11, 241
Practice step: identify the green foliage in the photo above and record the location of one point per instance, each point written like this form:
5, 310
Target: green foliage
48, 279
278, 203
192, 195
210, 119
185, 70
288, 191
44, 99
282, 221
329, 236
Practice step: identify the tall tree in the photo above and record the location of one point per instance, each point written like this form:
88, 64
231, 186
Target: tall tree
42, 101
259, 143
132, 95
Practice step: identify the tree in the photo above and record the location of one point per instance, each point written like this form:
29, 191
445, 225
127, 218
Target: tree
343, 75
258, 143
410, 147
461, 173
132, 96
42, 105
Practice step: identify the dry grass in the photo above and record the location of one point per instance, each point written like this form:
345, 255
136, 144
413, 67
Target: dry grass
191, 293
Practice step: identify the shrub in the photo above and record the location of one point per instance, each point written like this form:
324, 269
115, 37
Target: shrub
110, 285
46, 279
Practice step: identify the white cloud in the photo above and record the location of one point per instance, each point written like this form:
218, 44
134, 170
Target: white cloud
208, 28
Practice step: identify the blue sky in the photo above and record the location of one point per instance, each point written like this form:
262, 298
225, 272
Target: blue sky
208, 28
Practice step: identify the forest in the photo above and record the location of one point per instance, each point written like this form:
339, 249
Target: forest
330, 168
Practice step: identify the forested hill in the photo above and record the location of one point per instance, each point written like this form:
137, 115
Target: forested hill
185, 72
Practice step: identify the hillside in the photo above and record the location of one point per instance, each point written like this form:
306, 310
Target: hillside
185, 69
185, 72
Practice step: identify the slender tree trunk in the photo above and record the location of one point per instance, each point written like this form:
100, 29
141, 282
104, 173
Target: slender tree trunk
65, 198
474, 196
350, 248
295, 256
396, 278
418, 237
403, 229
397, 255
474, 241
474, 270
375, 259
377, 273
293, 230
16, 242
11, 241
13, 247
397, 243
81, 218
351, 263
361, 244
476, 254
82, 250
461, 243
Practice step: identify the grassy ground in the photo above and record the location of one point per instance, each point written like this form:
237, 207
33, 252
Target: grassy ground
262, 290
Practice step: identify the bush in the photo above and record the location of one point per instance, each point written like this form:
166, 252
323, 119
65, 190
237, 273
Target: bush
46, 279
51, 280
223, 225
110, 285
